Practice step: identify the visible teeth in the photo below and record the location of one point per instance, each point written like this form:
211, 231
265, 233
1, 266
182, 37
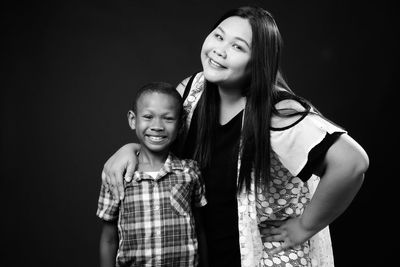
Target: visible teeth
155, 138
215, 63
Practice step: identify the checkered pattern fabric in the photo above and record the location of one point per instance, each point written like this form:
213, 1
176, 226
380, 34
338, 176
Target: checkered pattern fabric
155, 221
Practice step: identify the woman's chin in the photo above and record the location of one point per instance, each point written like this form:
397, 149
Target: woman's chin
212, 76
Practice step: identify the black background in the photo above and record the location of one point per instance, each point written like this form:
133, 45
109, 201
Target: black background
70, 69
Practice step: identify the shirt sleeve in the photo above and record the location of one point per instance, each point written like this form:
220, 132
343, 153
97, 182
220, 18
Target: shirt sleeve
302, 147
199, 195
107, 207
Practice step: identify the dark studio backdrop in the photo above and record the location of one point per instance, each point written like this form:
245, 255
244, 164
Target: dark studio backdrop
70, 70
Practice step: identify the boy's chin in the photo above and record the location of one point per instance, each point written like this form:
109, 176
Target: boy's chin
154, 149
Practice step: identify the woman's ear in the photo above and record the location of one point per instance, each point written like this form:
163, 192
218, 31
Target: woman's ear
132, 119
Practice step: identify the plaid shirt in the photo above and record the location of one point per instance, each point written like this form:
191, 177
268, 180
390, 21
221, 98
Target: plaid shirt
155, 221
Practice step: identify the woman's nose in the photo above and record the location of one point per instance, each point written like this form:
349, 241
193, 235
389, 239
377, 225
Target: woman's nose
220, 51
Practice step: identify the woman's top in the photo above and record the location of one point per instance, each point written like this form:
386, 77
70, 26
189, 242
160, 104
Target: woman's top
220, 179
298, 146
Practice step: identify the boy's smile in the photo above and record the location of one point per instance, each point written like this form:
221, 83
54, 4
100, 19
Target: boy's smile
155, 139
156, 121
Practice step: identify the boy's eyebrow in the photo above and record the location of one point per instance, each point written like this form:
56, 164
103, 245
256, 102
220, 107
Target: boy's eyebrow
236, 37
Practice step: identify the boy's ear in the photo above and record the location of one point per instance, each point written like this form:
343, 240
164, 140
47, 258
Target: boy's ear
132, 119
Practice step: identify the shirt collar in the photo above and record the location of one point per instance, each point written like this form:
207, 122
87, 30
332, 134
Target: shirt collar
171, 164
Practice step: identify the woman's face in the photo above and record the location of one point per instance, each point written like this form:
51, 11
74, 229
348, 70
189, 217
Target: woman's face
226, 53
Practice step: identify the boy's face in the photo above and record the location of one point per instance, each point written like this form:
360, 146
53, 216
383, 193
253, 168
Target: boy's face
156, 121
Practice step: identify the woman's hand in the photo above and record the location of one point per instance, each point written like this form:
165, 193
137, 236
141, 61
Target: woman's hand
122, 164
290, 232
344, 166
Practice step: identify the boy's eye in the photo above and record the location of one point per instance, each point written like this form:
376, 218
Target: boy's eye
148, 117
169, 119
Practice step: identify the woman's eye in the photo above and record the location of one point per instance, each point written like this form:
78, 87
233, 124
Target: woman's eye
218, 36
147, 117
238, 47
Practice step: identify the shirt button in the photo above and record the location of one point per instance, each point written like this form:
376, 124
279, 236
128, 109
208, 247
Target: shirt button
156, 207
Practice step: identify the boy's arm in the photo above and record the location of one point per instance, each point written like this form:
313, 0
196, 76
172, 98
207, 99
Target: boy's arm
199, 200
108, 244
201, 237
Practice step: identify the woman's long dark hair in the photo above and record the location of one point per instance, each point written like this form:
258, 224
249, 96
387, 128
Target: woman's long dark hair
262, 94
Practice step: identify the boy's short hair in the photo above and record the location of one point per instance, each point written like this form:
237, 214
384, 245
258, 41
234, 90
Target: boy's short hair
158, 87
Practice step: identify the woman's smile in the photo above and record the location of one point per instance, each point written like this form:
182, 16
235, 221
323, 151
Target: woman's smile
215, 64
226, 52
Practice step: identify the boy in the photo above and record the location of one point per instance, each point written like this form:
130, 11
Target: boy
154, 224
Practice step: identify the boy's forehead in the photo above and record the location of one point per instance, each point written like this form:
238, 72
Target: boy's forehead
156, 98
153, 95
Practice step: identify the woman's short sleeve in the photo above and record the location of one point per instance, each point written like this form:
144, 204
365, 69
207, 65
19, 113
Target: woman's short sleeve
303, 146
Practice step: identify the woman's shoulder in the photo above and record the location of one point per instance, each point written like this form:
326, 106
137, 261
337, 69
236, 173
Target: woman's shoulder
289, 104
196, 77
290, 112
294, 137
190, 166
182, 85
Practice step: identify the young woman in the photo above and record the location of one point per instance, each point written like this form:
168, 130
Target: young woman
261, 149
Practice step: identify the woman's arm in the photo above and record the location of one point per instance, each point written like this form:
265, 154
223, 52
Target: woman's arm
121, 164
108, 244
343, 173
345, 165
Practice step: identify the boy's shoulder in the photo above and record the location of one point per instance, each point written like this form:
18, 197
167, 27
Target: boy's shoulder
184, 164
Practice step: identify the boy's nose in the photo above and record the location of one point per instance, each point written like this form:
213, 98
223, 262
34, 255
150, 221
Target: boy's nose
157, 126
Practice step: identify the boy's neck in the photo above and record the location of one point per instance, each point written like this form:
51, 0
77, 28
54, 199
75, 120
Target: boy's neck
150, 161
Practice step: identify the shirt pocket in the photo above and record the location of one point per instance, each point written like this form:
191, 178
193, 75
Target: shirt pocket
180, 198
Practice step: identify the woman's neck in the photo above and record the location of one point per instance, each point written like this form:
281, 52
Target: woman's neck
232, 102
230, 96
